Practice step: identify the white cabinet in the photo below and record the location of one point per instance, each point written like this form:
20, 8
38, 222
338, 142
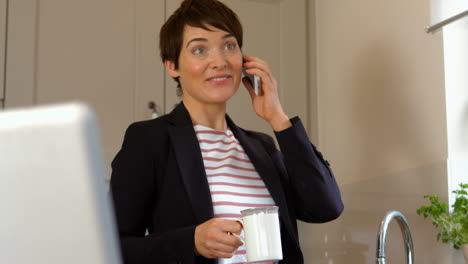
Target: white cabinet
103, 52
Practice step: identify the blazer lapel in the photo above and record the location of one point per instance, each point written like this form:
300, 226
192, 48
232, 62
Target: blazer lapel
265, 168
189, 158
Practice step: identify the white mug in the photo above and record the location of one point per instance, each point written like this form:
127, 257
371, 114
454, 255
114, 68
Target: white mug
262, 234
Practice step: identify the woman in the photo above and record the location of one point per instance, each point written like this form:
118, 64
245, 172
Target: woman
184, 177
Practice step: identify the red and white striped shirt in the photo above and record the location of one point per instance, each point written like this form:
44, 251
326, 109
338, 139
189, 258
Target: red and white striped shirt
234, 183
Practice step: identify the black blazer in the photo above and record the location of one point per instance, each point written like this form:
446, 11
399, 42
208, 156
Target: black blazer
159, 185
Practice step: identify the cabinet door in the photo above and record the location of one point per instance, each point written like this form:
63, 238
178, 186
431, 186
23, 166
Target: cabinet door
275, 31
102, 52
3, 17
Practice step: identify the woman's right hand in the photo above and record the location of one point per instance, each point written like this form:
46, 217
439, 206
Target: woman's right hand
212, 238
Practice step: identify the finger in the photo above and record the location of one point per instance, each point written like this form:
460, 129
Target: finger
239, 241
249, 58
252, 62
267, 81
257, 71
239, 227
257, 64
221, 254
229, 240
220, 246
223, 226
224, 248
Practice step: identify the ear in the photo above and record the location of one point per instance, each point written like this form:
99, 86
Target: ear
170, 67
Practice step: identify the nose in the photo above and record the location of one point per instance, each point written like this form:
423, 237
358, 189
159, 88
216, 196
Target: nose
218, 60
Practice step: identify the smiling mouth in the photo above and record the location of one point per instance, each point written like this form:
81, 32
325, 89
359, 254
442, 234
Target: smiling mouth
219, 79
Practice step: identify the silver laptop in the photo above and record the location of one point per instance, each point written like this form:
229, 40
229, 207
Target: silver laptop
54, 207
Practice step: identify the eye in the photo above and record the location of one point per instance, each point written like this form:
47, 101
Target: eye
230, 46
199, 51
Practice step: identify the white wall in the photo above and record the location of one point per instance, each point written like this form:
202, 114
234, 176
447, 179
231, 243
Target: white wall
455, 38
443, 9
381, 122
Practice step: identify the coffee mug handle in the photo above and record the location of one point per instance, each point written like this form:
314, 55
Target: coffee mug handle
242, 224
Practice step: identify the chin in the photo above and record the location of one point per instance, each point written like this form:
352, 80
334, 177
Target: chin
220, 100
223, 96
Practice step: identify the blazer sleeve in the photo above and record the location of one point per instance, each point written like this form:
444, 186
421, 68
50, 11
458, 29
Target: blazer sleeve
315, 193
134, 193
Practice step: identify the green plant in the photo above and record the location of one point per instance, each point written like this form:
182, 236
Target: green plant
453, 227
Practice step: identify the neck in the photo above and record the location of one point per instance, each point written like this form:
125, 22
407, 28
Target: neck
209, 115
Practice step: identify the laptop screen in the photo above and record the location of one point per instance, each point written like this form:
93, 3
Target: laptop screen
54, 207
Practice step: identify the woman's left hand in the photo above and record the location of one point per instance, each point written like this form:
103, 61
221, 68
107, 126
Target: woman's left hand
268, 105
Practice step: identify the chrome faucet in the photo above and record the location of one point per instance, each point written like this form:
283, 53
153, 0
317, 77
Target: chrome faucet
383, 235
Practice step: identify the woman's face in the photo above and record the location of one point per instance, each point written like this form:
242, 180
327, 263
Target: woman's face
210, 65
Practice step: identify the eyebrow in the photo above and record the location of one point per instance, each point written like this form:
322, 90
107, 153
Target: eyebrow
205, 40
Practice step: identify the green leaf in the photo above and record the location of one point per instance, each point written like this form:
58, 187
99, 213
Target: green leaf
452, 227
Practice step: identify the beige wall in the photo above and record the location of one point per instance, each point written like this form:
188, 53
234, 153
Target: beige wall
380, 120
380, 86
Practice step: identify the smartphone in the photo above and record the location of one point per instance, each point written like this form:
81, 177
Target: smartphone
255, 81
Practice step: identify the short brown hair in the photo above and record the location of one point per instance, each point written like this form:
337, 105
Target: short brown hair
195, 13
